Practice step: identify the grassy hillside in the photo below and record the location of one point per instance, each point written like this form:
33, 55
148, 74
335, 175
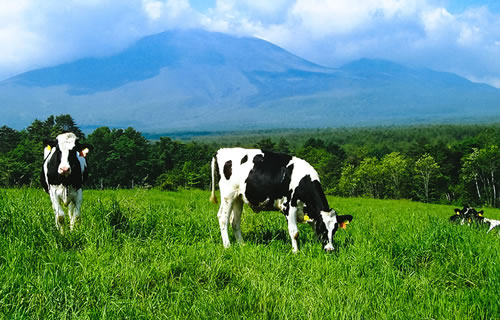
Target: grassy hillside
149, 254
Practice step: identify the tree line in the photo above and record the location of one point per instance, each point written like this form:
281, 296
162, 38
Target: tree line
448, 164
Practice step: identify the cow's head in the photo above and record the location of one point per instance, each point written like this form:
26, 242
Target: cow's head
65, 151
328, 225
458, 217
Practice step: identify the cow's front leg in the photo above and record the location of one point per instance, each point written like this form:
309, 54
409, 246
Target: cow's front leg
293, 230
58, 210
74, 209
223, 216
236, 219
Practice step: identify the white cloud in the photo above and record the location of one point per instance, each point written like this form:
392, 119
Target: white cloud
409, 32
42, 33
153, 8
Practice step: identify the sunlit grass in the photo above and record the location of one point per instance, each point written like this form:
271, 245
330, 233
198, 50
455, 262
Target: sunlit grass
149, 254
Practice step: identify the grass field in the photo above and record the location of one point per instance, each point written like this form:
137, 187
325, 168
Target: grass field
148, 254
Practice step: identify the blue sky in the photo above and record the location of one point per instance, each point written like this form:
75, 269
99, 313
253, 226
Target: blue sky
202, 5
457, 36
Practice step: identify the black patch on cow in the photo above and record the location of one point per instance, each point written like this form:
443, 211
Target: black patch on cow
228, 169
311, 193
43, 181
244, 159
268, 180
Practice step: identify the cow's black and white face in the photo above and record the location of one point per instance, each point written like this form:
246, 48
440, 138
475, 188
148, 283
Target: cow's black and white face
327, 228
66, 152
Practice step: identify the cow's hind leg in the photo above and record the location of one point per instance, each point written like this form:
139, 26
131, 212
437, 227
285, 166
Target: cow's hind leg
223, 216
74, 214
236, 218
293, 230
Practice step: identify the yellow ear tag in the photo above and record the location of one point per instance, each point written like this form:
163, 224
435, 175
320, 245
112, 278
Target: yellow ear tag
306, 217
480, 214
344, 224
48, 147
457, 212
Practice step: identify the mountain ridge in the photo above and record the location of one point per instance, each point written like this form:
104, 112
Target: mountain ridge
199, 80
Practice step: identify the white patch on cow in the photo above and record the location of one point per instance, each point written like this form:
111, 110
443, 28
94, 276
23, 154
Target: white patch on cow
301, 168
66, 142
279, 204
493, 223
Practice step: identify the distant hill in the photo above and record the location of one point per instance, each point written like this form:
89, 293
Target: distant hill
198, 80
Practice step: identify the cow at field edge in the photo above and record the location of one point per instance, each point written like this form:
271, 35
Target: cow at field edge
63, 173
463, 216
273, 182
470, 215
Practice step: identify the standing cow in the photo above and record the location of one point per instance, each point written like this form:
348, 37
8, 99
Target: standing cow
63, 173
273, 182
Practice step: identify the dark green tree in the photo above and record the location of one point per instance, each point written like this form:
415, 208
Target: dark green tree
9, 139
265, 144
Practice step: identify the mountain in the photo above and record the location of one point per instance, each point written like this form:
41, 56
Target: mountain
197, 80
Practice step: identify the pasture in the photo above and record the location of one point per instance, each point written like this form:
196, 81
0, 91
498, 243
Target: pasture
141, 254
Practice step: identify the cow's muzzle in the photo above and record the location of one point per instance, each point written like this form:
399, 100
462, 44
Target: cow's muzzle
64, 171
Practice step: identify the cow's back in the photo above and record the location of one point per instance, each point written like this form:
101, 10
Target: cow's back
235, 164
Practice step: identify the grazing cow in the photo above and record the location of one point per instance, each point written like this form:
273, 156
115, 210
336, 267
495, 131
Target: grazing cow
63, 173
464, 215
469, 215
273, 182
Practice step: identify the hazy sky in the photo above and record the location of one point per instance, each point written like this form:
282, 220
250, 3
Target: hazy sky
449, 35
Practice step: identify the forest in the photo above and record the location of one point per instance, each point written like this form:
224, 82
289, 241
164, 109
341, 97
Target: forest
453, 164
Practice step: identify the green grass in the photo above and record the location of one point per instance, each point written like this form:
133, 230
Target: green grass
148, 254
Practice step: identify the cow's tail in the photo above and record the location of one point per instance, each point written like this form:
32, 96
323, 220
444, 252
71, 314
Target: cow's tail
213, 197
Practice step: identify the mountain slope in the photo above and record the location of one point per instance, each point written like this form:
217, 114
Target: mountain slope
198, 80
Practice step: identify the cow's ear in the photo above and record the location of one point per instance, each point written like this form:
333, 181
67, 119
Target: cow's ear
457, 211
84, 149
344, 220
49, 143
481, 213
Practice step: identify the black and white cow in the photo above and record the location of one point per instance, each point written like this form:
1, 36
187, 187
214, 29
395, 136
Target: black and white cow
63, 173
273, 182
470, 215
463, 216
